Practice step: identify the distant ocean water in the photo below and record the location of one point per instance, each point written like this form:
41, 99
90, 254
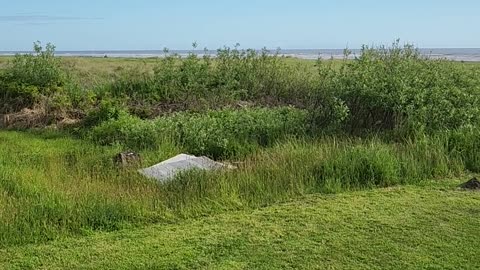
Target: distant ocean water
468, 55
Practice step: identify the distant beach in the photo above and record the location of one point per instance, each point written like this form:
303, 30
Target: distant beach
467, 55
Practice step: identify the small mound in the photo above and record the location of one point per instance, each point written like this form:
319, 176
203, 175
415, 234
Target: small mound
473, 184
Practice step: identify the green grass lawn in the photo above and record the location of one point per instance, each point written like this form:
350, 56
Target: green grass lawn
429, 226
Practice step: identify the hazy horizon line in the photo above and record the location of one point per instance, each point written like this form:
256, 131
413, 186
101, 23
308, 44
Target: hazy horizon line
201, 50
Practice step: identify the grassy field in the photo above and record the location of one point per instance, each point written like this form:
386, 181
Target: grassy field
93, 71
55, 186
339, 164
430, 226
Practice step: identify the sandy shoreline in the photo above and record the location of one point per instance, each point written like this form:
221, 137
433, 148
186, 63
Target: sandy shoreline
466, 55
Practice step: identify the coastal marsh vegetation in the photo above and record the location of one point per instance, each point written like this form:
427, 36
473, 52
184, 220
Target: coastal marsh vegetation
296, 130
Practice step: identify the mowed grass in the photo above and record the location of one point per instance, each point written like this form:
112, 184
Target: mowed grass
428, 226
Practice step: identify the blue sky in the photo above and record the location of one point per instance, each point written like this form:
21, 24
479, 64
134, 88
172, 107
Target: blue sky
301, 24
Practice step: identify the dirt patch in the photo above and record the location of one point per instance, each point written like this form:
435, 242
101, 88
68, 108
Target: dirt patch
473, 184
67, 122
26, 118
35, 118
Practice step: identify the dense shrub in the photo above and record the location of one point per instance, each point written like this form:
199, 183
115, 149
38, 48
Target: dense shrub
218, 134
31, 77
208, 82
384, 89
107, 110
398, 88
232, 132
128, 130
252, 75
134, 83
184, 81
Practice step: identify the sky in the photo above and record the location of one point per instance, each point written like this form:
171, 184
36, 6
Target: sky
286, 24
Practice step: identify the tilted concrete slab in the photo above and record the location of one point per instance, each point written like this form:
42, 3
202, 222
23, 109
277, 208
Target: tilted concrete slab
168, 169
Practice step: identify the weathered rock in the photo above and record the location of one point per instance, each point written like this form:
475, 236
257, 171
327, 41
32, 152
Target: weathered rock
6, 120
473, 184
126, 159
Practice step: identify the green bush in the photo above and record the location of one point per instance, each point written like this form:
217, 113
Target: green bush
106, 111
229, 133
218, 134
184, 81
385, 88
134, 83
130, 131
31, 77
41, 69
198, 83
398, 88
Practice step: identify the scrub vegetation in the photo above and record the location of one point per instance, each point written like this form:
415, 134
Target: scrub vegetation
295, 130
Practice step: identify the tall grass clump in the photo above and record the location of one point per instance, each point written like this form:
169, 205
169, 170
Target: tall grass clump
359, 166
465, 144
